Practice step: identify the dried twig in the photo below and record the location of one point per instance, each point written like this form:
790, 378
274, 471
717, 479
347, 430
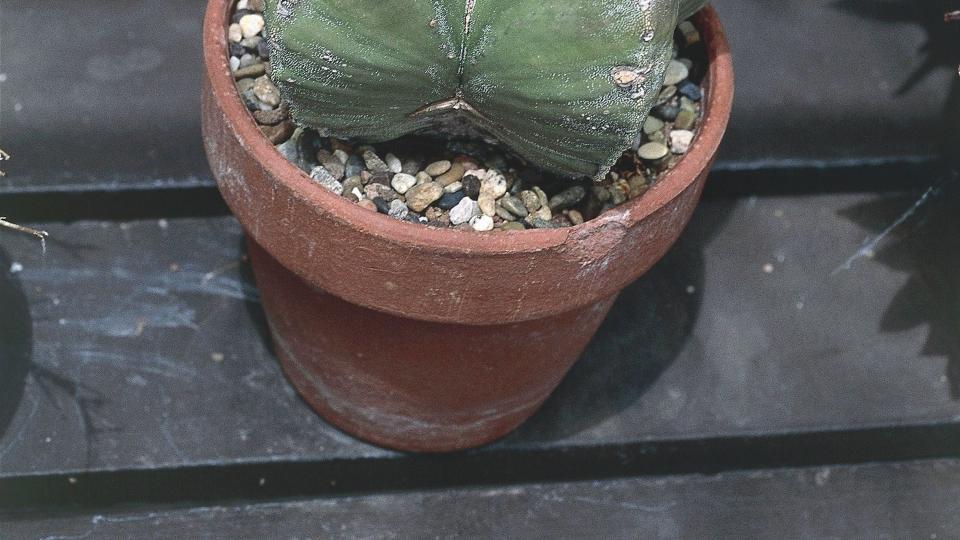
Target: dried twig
42, 235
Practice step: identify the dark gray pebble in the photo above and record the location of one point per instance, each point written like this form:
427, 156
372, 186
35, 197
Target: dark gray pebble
567, 198
382, 205
471, 186
666, 112
354, 165
263, 50
449, 200
237, 49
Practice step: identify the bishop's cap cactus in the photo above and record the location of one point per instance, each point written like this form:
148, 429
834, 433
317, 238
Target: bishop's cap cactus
566, 84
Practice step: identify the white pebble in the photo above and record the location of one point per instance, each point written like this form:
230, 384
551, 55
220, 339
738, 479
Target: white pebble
398, 209
402, 182
393, 162
234, 63
16, 268
464, 211
251, 24
680, 140
323, 177
454, 187
235, 33
482, 223
341, 156
676, 72
493, 184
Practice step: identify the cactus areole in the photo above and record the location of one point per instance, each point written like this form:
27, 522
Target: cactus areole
565, 84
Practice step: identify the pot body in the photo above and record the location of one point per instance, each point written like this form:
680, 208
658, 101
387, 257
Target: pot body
430, 339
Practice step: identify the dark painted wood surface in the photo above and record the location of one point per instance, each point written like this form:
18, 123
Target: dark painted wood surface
141, 344
89, 106
908, 500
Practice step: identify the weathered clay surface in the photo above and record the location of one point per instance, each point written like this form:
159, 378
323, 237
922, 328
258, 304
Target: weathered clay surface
396, 332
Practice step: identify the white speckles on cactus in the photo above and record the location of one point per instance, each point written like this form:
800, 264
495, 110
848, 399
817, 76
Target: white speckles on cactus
565, 84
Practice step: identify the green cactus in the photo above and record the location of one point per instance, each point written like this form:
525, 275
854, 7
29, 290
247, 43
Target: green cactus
566, 84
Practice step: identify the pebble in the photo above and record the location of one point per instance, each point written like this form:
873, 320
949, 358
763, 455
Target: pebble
422, 196
410, 166
393, 163
690, 33
234, 63
331, 163
482, 223
402, 182
464, 211
374, 163
255, 70
341, 155
493, 184
575, 217
680, 140
273, 116
266, 92
449, 200
690, 91
513, 226
453, 188
676, 72
652, 125
541, 196
382, 205
354, 165
504, 213
235, 33
252, 43
515, 206
685, 119
236, 49
423, 178
530, 200
352, 186
278, 133
248, 60
438, 167
567, 198
251, 25
325, 179
380, 191
488, 204
471, 186
368, 204
653, 151
666, 112
453, 174
398, 209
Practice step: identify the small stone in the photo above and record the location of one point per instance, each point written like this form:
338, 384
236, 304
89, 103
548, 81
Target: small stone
530, 200
423, 178
248, 60
513, 227
393, 163
422, 196
380, 191
617, 195
354, 166
666, 94
464, 211
690, 33
676, 72
601, 194
666, 112
410, 166
690, 91
482, 223
398, 209
541, 196
453, 188
266, 92
685, 120
652, 125
515, 205
567, 198
488, 204
255, 70
382, 206
263, 50
234, 63
373, 162
539, 223
504, 214
341, 155
653, 151
279, 133
252, 43
680, 140
273, 116
251, 25
351, 184
368, 204
290, 149
321, 176
433, 213
638, 185
331, 163
236, 49
493, 184
449, 200
454, 174
438, 167
235, 33
402, 182
687, 104
543, 213
575, 217
471, 186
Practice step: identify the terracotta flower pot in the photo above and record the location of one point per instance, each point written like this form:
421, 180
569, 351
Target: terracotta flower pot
429, 339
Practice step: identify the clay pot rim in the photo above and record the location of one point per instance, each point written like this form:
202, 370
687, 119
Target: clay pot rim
717, 103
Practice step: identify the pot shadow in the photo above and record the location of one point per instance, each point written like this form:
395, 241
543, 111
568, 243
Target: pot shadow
253, 306
648, 326
16, 342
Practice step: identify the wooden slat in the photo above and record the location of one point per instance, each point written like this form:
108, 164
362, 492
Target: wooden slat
909, 500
